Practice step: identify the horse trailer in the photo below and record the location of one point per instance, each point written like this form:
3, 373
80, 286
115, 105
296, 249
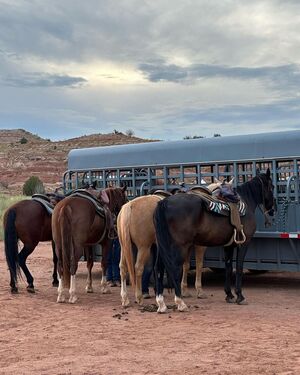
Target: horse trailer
146, 167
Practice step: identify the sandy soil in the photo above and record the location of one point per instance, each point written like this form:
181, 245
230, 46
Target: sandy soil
96, 336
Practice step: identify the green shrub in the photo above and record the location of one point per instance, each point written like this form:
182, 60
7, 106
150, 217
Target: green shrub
5, 203
23, 140
33, 186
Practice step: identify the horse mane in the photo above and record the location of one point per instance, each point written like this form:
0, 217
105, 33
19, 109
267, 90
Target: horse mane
251, 190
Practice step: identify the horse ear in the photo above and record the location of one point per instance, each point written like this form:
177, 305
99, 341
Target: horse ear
217, 181
124, 188
231, 181
268, 174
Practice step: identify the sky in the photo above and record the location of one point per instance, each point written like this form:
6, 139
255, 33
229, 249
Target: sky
162, 69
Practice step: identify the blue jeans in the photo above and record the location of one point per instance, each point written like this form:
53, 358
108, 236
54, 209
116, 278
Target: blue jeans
146, 277
113, 260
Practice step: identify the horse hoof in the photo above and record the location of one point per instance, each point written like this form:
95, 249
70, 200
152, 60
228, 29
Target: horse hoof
73, 299
106, 291
55, 283
202, 295
14, 290
30, 289
162, 310
186, 294
126, 303
242, 303
61, 299
183, 307
89, 289
230, 300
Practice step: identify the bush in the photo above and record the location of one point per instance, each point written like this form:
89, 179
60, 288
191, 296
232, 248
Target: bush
33, 186
129, 133
23, 140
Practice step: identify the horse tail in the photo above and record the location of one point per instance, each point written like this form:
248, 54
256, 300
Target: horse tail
125, 240
67, 244
11, 243
167, 251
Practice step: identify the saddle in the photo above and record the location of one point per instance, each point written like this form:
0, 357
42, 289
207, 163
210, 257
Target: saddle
228, 205
101, 209
44, 200
162, 193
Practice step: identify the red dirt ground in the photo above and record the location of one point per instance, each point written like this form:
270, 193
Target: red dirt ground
96, 336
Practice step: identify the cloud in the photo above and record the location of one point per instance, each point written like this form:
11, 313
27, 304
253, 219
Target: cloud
43, 80
277, 75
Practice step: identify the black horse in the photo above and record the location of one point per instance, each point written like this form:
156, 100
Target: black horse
182, 221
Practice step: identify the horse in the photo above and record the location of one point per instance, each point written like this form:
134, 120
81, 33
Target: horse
182, 221
136, 228
28, 221
76, 226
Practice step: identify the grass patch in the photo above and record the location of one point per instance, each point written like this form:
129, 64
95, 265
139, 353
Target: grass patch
5, 203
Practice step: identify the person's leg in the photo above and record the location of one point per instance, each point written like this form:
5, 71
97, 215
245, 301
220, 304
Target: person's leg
146, 279
109, 271
116, 253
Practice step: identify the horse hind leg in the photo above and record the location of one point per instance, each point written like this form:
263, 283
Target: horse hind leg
90, 263
199, 254
72, 291
184, 286
142, 257
123, 274
24, 253
60, 291
55, 281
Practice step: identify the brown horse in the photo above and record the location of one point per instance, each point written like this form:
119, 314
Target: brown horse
76, 226
29, 222
183, 220
135, 227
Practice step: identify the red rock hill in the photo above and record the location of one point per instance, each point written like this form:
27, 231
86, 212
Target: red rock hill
23, 154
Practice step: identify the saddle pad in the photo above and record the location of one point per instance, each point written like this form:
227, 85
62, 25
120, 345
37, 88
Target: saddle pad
44, 201
220, 207
86, 195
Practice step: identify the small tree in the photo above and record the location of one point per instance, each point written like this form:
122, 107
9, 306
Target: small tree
23, 140
33, 186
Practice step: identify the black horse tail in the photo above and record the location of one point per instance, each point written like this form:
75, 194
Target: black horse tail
167, 251
68, 255
11, 243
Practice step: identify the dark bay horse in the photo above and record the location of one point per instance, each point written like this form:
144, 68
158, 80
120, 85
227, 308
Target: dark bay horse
29, 222
76, 226
182, 221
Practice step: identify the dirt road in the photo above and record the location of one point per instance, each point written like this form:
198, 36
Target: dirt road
96, 336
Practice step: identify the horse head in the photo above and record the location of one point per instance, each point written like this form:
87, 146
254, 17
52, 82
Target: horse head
117, 197
267, 189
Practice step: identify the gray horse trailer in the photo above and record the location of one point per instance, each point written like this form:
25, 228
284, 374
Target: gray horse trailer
145, 167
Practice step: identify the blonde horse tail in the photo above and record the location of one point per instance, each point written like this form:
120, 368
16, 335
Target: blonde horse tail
125, 240
67, 244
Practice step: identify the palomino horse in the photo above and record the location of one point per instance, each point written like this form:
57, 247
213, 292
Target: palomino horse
76, 226
29, 222
135, 227
182, 221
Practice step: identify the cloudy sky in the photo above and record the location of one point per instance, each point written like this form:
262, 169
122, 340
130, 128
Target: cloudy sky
164, 69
